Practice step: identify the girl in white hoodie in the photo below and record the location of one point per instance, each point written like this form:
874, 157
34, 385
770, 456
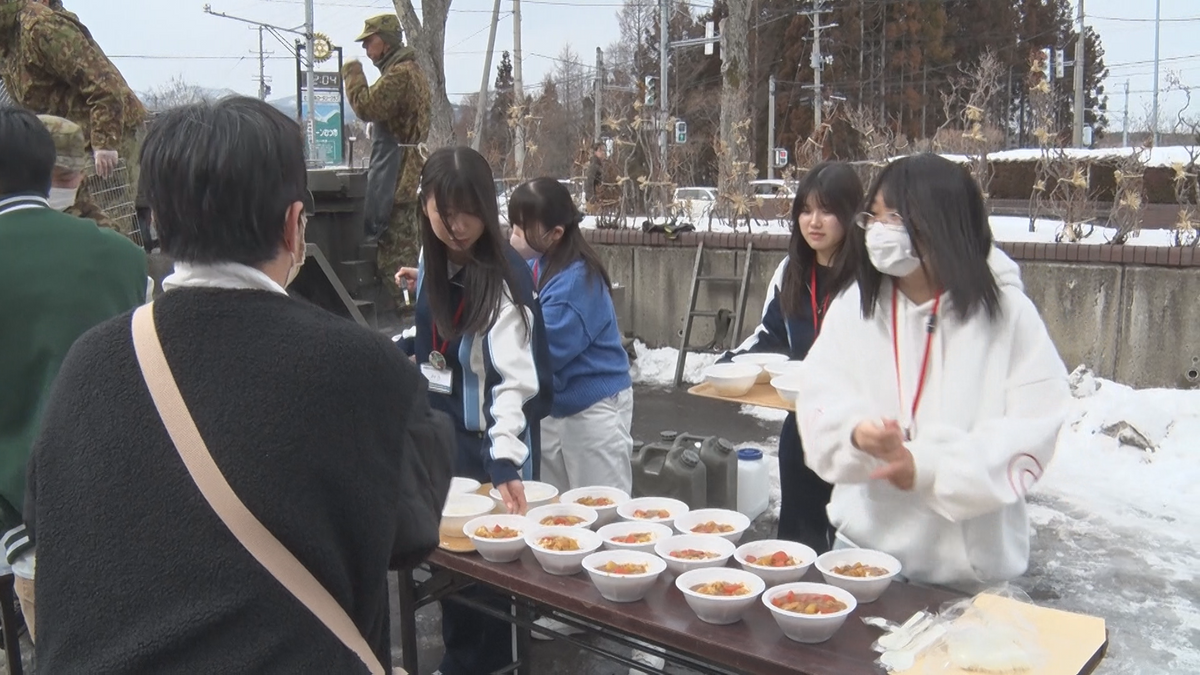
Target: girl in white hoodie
950, 410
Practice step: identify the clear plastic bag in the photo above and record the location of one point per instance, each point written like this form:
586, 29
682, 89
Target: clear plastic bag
966, 636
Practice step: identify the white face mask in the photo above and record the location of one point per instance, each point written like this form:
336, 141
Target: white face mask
61, 198
891, 250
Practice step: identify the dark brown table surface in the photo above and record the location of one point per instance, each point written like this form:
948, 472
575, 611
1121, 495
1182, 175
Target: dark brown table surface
753, 645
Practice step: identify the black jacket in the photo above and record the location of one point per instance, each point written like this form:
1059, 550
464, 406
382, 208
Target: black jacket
321, 427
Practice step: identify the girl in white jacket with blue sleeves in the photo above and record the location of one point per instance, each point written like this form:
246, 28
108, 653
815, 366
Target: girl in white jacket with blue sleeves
950, 409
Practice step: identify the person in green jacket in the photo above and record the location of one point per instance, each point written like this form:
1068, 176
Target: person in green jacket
59, 276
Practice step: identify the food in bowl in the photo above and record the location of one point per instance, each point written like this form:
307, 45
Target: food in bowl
595, 501
721, 588
562, 521
776, 559
693, 554
712, 527
497, 532
634, 538
611, 567
808, 603
558, 543
860, 571
652, 514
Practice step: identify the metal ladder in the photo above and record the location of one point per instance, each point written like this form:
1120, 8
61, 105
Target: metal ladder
739, 308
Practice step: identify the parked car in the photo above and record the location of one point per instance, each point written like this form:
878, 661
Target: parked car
693, 204
772, 188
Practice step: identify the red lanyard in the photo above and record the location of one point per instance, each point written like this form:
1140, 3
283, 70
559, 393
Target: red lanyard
812, 291
535, 271
930, 327
441, 349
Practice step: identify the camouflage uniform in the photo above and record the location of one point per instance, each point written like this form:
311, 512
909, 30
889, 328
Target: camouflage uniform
51, 65
399, 103
72, 155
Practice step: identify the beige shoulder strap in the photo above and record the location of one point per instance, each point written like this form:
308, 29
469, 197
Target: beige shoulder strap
245, 527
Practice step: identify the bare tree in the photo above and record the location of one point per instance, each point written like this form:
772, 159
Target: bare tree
427, 35
735, 99
975, 134
1129, 196
174, 93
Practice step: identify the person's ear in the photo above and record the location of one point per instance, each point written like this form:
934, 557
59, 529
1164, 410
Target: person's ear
554, 235
293, 233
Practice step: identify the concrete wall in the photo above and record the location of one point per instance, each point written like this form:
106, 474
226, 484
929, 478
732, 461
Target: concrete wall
1136, 324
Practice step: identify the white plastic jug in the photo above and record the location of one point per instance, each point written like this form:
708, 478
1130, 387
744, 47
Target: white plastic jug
754, 483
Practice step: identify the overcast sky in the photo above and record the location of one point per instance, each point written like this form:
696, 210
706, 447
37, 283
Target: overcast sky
153, 40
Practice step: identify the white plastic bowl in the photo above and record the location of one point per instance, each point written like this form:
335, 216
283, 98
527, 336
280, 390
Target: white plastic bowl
773, 576
700, 542
608, 514
587, 513
762, 361
732, 379
498, 550
462, 486
657, 532
787, 386
623, 587
536, 494
673, 506
864, 590
809, 628
719, 609
562, 563
691, 519
775, 370
460, 508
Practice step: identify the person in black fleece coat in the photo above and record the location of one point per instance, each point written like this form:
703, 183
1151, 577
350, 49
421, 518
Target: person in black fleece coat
321, 427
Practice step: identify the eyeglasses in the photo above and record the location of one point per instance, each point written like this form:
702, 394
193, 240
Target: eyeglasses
865, 220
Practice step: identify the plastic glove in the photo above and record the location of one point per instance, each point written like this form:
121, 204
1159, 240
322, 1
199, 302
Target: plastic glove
106, 162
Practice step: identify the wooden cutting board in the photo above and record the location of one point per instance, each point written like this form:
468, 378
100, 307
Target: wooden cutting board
1070, 641
763, 395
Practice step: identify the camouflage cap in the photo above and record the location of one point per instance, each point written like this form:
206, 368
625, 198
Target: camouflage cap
69, 143
384, 23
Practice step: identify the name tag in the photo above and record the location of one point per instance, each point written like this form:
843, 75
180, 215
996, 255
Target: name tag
441, 380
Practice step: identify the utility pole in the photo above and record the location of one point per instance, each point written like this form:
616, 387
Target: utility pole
518, 91
1125, 122
481, 106
818, 61
664, 20
771, 129
598, 96
309, 92
1077, 131
1157, 26
263, 89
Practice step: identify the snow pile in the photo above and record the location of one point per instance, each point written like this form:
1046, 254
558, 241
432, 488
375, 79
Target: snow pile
1155, 157
657, 366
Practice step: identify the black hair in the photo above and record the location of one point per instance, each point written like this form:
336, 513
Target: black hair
837, 189
943, 210
220, 178
27, 153
541, 205
459, 181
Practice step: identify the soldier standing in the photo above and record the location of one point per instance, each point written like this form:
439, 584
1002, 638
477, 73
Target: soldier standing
51, 65
71, 160
398, 106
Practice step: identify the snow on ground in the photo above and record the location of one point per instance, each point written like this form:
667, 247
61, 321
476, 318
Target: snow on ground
657, 366
1156, 157
1004, 228
1115, 526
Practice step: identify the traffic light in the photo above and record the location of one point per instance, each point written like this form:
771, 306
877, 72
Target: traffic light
680, 132
1044, 62
651, 99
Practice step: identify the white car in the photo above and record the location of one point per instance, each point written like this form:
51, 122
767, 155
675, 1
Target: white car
771, 189
693, 204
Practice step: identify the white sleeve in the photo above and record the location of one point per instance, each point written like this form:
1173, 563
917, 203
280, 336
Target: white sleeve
829, 405
962, 475
773, 291
512, 379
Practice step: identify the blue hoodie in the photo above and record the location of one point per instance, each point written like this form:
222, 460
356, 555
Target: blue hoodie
586, 355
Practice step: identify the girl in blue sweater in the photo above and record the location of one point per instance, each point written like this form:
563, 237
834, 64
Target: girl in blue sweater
817, 269
586, 439
480, 342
